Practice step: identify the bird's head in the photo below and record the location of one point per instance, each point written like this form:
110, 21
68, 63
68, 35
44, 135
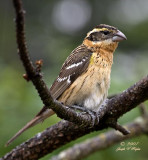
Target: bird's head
104, 36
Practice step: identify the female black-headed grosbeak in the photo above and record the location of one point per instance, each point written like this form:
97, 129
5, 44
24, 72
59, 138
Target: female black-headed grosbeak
84, 78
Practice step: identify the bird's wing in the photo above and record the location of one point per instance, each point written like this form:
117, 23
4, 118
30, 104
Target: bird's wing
74, 66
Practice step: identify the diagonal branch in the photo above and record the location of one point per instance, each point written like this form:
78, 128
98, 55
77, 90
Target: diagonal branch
103, 141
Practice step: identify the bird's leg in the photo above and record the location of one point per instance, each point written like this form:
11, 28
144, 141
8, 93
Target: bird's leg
79, 108
101, 111
103, 108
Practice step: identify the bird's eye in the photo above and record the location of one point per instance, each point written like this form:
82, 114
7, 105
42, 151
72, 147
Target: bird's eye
105, 32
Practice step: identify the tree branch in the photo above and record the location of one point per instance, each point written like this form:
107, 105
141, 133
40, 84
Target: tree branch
103, 141
64, 132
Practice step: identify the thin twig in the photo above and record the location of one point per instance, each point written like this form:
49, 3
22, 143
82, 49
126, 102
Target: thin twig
119, 128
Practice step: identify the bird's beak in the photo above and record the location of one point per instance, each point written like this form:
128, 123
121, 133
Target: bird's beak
119, 36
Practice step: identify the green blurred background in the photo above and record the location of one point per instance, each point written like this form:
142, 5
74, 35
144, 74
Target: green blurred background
53, 29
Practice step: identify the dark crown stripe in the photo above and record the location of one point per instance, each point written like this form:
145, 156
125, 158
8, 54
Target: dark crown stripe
105, 26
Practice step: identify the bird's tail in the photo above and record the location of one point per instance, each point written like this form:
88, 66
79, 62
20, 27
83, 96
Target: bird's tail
40, 117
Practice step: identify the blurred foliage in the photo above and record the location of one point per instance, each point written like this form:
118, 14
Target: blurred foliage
53, 29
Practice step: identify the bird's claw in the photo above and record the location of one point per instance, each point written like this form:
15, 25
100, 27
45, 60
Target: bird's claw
94, 115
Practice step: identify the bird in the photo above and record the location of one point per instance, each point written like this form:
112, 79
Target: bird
84, 78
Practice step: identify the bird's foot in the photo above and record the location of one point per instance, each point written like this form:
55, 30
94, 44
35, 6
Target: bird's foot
94, 115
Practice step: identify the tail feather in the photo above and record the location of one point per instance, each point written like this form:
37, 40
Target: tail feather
40, 117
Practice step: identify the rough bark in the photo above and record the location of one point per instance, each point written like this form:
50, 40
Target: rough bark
103, 141
64, 131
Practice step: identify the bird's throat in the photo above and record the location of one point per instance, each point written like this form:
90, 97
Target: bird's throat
103, 52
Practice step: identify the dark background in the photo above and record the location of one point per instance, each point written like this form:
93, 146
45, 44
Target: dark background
53, 29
